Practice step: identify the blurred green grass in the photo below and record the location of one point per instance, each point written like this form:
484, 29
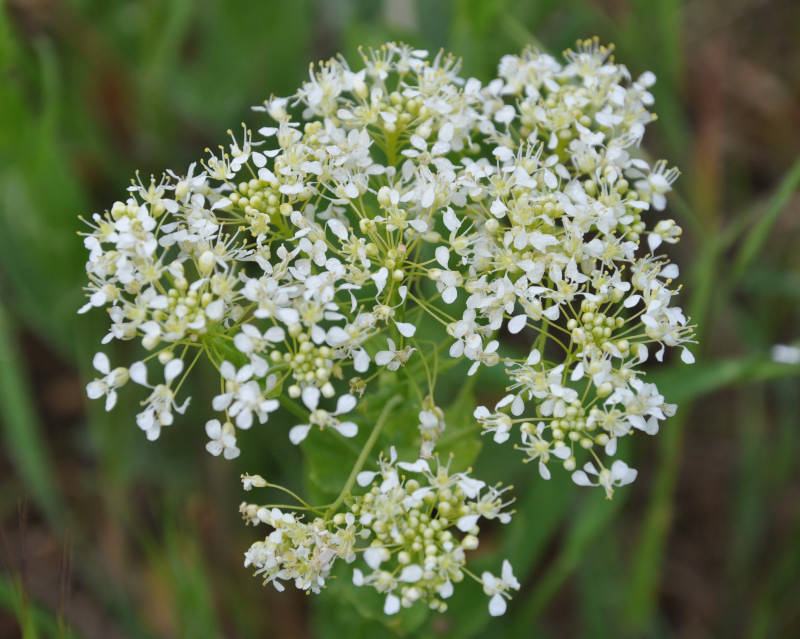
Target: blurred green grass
705, 544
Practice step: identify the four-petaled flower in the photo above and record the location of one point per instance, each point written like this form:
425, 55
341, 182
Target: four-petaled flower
497, 588
223, 439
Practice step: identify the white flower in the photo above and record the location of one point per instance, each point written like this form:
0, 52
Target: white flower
323, 418
497, 588
393, 358
243, 397
619, 475
657, 183
537, 447
497, 423
107, 385
223, 439
161, 401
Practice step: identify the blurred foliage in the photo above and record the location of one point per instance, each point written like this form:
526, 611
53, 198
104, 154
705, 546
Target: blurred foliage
705, 544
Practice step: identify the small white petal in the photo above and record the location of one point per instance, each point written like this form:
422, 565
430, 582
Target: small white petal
173, 368
365, 477
446, 132
406, 329
138, 373
544, 471
298, 433
360, 361
442, 255
383, 357
213, 428
392, 605
380, 278
101, 363
231, 452
374, 557
419, 466
345, 404
451, 221
336, 336
215, 309
95, 389
275, 334
508, 575
482, 412
227, 370
411, 574
338, 229
221, 204
497, 605
581, 478
214, 447
111, 400
622, 473
498, 209
244, 419
221, 402
670, 271
552, 313
446, 590
311, 397
351, 191
243, 343
516, 324
467, 522
428, 197
347, 429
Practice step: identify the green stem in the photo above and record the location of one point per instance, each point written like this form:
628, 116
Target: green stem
362, 458
291, 494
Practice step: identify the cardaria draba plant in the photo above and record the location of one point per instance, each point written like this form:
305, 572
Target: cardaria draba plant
388, 222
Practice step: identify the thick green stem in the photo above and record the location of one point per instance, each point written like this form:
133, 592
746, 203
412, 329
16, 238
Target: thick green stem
362, 458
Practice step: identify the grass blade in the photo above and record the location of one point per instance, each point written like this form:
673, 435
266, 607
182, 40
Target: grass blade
21, 431
754, 240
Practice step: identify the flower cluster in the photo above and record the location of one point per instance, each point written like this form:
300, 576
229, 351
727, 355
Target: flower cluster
299, 551
413, 535
506, 218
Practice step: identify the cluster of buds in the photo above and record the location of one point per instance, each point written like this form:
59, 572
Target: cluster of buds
506, 218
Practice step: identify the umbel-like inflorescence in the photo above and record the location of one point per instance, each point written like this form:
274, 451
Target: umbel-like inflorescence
384, 215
